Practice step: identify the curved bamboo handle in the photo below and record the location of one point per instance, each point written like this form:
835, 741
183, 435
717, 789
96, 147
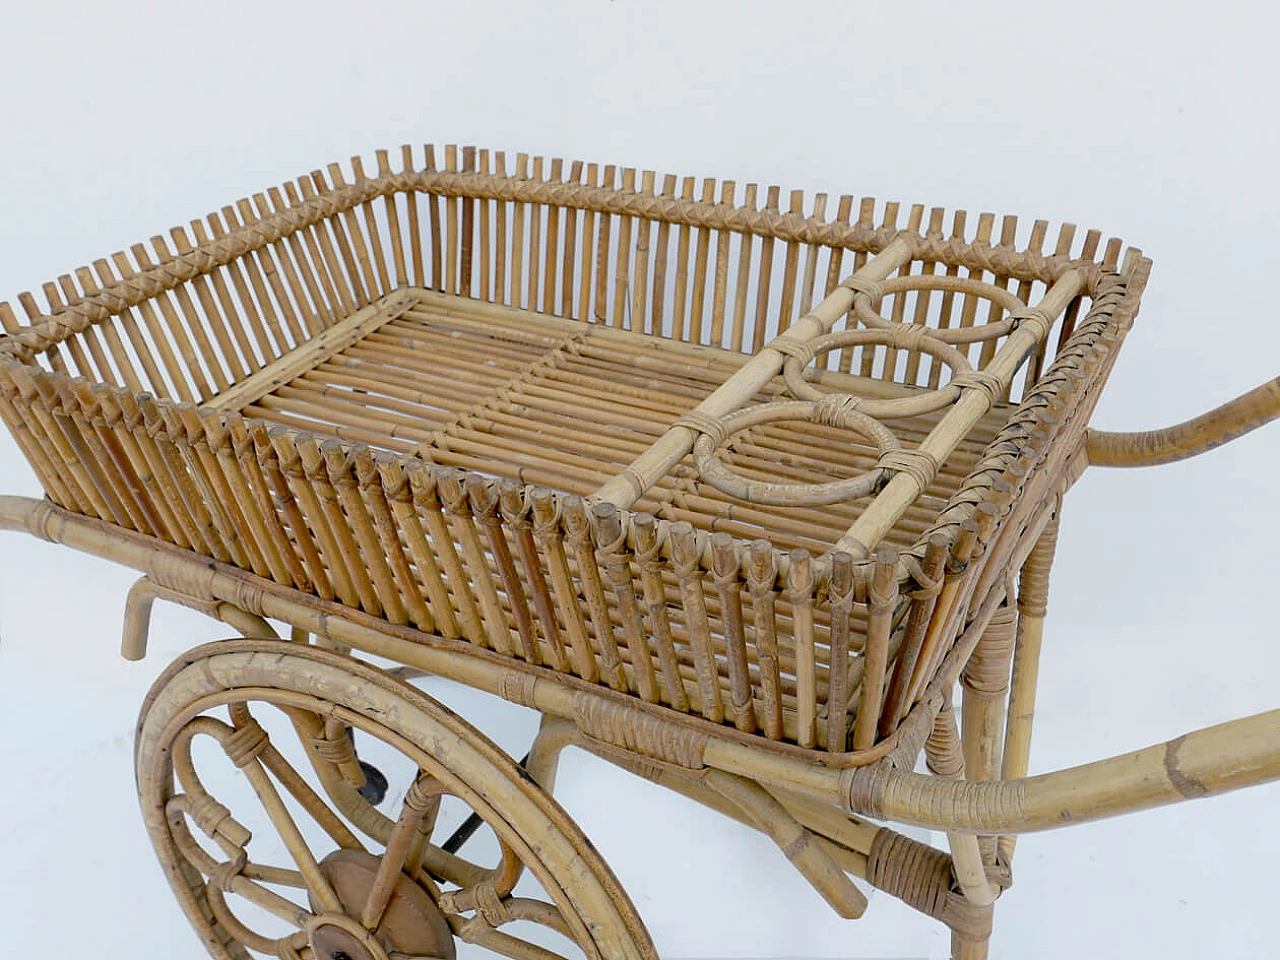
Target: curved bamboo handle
1212, 760
1149, 448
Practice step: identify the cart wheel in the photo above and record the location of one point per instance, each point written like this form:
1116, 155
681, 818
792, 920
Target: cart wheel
287, 860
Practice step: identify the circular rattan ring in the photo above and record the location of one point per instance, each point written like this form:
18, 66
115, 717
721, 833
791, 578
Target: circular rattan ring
909, 406
926, 281
832, 411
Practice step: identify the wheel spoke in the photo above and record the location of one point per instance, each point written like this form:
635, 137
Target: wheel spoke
417, 801
310, 801
244, 747
229, 875
280, 876
481, 934
341, 792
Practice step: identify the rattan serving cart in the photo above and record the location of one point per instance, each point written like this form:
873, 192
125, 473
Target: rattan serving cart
747, 498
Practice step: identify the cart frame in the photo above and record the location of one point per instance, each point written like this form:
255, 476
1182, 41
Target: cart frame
772, 752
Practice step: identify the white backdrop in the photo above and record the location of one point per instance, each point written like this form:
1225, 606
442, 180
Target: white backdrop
122, 119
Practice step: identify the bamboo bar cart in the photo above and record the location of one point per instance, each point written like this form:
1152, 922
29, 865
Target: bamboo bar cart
754, 498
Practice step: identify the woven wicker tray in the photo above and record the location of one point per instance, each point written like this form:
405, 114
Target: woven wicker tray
356, 391
734, 496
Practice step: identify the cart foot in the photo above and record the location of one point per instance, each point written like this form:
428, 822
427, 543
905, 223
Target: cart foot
374, 790
969, 949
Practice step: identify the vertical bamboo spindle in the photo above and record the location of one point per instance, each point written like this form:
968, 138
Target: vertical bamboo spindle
800, 584
551, 259
810, 275
684, 558
725, 570
494, 633
840, 592
611, 548
742, 287
680, 303
483, 499
957, 566
392, 215
604, 247
640, 266
661, 256
484, 238
501, 293
468, 225
697, 302
586, 259
719, 294
928, 577
655, 601
516, 510
622, 268
433, 226
413, 229
1033, 595
881, 601
578, 533
425, 488
547, 532
762, 573
535, 241
764, 278
568, 261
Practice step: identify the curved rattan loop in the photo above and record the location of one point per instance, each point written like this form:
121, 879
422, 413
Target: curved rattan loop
862, 305
836, 411
908, 337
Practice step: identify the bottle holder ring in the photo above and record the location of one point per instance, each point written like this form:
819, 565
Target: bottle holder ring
869, 294
836, 411
908, 337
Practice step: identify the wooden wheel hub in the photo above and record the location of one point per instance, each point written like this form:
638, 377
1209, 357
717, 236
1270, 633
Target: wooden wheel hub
412, 923
333, 942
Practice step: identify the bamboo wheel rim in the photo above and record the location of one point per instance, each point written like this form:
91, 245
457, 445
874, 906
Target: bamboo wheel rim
587, 905
906, 337
832, 410
864, 299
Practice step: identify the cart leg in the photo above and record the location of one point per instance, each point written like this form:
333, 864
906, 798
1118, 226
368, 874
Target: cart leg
962, 949
1033, 596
